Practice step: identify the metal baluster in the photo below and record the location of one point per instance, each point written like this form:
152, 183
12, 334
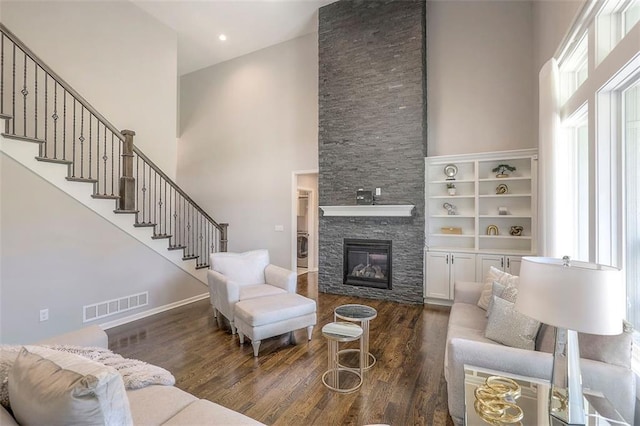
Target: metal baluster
112, 159
172, 238
119, 142
81, 139
159, 207
137, 189
90, 138
55, 120
13, 95
64, 125
149, 189
73, 153
155, 199
165, 207
98, 155
35, 94
24, 92
2, 73
104, 159
46, 109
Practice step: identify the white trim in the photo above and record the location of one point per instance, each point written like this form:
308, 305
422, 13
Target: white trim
293, 213
395, 210
159, 309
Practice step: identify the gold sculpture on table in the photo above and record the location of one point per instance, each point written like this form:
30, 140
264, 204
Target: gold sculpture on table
495, 401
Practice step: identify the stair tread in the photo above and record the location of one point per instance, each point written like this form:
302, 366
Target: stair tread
202, 266
54, 160
105, 197
125, 211
161, 236
79, 179
5, 116
144, 225
176, 247
23, 138
189, 257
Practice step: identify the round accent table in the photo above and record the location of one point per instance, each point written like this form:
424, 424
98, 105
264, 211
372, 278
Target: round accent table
337, 332
362, 314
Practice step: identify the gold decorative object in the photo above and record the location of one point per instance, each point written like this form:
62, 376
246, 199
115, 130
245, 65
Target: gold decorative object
495, 401
451, 230
502, 189
516, 230
492, 230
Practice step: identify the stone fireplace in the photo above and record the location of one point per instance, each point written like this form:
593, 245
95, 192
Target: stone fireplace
372, 134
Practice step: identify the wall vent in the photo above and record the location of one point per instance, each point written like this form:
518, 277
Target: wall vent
115, 306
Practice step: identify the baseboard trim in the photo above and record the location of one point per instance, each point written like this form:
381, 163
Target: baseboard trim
159, 309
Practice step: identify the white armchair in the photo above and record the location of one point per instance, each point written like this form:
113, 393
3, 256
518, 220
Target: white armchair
240, 276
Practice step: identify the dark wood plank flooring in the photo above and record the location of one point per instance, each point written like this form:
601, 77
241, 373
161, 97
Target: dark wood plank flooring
283, 386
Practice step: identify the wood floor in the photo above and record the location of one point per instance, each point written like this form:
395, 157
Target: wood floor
283, 386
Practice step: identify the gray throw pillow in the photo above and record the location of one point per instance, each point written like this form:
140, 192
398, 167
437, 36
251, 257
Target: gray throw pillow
511, 328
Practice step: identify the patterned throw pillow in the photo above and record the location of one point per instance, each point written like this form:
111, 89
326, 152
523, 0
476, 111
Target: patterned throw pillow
510, 294
495, 274
511, 328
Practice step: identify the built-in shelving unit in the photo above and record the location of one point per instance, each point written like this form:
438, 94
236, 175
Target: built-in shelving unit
479, 205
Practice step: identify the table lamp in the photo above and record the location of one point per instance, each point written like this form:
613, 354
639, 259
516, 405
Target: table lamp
574, 297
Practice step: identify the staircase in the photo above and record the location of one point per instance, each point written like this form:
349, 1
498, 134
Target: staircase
50, 129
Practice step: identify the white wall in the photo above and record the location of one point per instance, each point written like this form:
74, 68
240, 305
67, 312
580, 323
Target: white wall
58, 254
480, 95
123, 61
246, 125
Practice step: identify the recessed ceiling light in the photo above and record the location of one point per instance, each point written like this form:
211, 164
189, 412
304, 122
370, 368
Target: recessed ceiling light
222, 37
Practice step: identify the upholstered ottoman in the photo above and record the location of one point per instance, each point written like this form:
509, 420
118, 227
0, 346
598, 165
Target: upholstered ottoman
269, 316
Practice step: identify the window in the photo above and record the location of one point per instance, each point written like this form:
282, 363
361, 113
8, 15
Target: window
631, 150
574, 70
573, 175
614, 21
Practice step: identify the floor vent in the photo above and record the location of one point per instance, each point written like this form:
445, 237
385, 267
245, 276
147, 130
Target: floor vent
114, 306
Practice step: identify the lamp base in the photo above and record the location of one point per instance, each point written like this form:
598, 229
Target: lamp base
566, 402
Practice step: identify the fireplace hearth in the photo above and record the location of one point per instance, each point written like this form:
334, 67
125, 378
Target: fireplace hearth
367, 263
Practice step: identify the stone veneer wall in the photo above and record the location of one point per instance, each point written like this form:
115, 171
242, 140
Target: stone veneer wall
372, 134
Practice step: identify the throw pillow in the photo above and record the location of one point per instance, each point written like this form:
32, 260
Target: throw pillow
8, 354
509, 294
58, 388
511, 328
495, 274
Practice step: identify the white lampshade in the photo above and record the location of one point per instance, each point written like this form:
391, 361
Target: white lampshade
585, 297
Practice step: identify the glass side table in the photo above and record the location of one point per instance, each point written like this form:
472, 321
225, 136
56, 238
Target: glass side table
362, 314
534, 400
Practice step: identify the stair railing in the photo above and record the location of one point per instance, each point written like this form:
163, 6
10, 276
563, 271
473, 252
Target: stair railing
39, 106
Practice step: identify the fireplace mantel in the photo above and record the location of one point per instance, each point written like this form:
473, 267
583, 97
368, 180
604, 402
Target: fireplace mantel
377, 210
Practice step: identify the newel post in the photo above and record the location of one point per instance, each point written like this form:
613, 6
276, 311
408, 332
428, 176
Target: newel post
127, 181
223, 236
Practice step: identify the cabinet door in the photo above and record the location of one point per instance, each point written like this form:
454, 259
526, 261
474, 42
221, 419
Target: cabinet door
512, 264
437, 275
463, 268
485, 261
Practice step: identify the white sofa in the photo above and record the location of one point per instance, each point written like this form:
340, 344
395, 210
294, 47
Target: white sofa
466, 344
152, 405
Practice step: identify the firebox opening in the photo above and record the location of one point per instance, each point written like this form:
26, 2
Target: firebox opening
367, 263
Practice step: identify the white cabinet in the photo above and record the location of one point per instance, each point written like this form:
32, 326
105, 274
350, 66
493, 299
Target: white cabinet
510, 264
442, 271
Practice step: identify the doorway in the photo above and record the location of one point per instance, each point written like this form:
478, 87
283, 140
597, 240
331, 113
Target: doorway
305, 222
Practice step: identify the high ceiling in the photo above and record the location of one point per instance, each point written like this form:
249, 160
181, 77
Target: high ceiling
249, 25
